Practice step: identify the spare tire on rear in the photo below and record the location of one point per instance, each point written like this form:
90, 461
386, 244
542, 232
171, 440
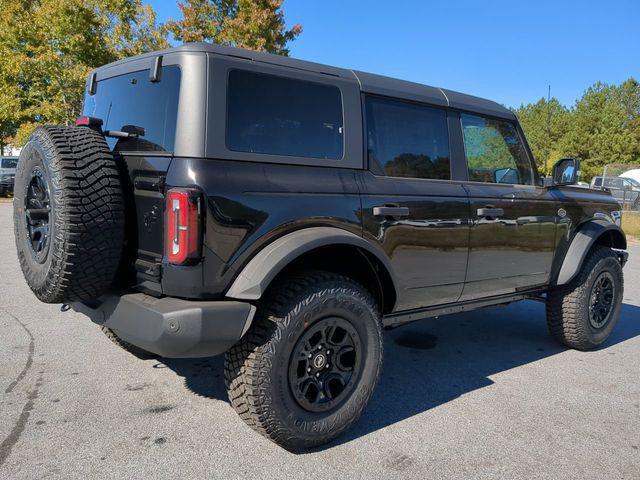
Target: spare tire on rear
68, 214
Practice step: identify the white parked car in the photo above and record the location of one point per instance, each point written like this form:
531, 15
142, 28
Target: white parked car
634, 174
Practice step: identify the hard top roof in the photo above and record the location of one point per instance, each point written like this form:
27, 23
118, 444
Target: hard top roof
369, 83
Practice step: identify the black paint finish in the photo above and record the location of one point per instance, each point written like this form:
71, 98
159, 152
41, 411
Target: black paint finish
447, 241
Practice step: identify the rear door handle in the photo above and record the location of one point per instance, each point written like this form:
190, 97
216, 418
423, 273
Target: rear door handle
390, 211
491, 212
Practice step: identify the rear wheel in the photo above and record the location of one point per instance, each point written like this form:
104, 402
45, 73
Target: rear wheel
583, 314
306, 368
68, 214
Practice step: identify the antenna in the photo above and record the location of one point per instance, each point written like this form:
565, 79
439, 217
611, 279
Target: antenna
548, 149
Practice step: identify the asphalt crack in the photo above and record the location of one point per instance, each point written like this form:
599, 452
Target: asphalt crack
29, 363
8, 443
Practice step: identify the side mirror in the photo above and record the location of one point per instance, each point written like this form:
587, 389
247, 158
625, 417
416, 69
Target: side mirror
565, 172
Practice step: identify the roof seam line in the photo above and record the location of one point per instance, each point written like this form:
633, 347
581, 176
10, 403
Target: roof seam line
357, 78
445, 96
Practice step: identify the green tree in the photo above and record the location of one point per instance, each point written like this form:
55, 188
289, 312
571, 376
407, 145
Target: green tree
601, 128
545, 123
252, 24
605, 127
48, 47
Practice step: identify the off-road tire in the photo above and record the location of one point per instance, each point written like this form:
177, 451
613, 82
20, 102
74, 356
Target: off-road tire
137, 351
256, 367
86, 217
568, 306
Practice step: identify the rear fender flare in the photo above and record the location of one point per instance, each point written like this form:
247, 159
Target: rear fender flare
255, 277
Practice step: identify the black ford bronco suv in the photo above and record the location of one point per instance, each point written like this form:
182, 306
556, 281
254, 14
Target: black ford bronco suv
216, 200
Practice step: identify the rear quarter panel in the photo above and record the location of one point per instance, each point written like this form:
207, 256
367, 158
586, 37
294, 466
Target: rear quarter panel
248, 205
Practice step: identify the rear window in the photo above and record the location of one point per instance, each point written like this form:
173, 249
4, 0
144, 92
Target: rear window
408, 140
9, 162
275, 115
133, 100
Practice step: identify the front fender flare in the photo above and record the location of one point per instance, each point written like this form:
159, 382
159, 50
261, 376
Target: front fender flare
256, 276
584, 239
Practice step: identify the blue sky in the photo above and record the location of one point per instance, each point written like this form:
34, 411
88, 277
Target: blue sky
508, 51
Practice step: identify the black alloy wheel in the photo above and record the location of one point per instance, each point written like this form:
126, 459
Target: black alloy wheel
601, 300
325, 364
37, 210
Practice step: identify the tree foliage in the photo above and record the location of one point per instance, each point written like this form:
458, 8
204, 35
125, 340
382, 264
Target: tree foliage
601, 128
48, 47
253, 24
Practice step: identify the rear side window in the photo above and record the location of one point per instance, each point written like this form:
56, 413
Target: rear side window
133, 100
275, 115
408, 140
495, 152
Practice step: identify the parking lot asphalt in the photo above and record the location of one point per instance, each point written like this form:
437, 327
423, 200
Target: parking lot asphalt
485, 394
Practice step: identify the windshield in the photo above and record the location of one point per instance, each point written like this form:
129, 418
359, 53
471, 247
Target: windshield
633, 182
9, 162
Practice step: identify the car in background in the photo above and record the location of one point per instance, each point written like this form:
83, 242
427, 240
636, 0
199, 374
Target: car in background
633, 174
625, 190
7, 174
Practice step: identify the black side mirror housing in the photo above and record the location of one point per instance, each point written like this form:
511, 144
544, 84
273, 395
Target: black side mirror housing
565, 172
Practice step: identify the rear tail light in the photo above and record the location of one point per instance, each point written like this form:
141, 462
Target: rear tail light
183, 230
91, 122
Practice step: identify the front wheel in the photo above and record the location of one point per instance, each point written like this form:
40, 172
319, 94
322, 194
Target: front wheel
306, 368
583, 314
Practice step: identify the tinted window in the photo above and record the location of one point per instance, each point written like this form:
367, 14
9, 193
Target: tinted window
9, 162
495, 152
408, 140
133, 100
282, 116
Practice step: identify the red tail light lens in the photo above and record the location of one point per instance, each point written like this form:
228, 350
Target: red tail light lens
183, 226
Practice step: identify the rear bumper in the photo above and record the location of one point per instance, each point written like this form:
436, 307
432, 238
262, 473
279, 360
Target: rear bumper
171, 327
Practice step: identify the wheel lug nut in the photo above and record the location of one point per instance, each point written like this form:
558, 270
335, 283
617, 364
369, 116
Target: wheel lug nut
317, 375
327, 366
319, 347
309, 369
328, 352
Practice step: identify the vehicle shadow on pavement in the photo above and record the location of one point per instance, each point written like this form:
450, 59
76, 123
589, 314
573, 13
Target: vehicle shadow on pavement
434, 361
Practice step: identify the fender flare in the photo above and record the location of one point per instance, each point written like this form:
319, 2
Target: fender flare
583, 240
256, 275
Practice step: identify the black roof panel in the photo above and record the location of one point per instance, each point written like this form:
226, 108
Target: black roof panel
370, 83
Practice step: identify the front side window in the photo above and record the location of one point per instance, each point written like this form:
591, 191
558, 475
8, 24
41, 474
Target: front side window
275, 115
408, 140
132, 102
495, 153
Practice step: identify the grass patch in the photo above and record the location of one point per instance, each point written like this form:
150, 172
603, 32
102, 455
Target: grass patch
631, 224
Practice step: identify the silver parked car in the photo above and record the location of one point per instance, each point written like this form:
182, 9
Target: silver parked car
625, 190
7, 174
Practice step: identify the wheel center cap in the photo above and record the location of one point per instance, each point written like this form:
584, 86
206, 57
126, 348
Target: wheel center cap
319, 361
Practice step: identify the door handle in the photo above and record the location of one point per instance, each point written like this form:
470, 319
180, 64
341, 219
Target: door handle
390, 211
490, 212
